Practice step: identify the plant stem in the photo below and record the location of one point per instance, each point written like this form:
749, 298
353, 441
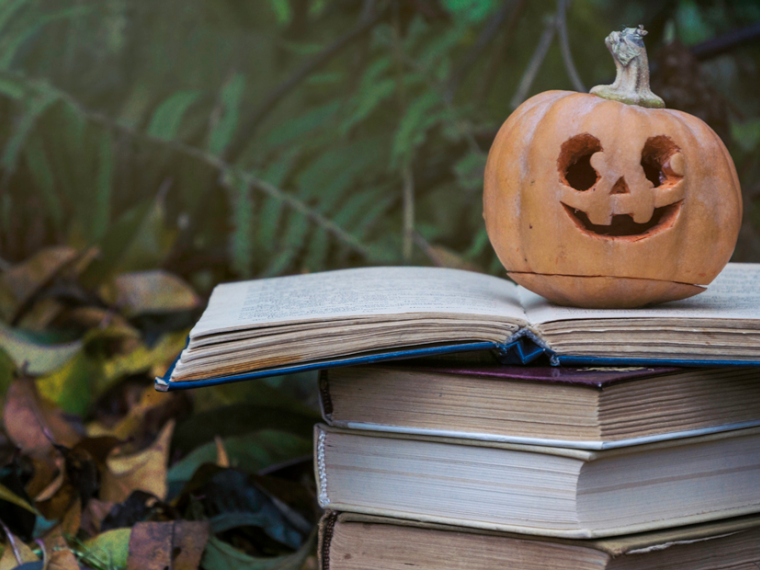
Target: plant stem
631, 84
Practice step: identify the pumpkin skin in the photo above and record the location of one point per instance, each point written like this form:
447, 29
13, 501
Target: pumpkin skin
660, 221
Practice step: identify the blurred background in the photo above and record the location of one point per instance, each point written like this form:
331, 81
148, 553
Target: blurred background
152, 149
225, 139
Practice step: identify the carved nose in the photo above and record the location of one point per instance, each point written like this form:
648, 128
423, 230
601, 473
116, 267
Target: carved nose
620, 187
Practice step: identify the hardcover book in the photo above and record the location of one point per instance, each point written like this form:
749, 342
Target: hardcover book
285, 324
587, 408
530, 489
350, 541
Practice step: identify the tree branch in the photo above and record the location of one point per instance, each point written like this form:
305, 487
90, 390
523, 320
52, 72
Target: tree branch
535, 62
726, 42
564, 45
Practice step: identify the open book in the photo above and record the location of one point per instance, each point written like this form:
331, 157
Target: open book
286, 324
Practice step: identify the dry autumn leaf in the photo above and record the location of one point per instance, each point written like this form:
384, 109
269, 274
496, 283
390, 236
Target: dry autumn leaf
150, 292
176, 545
15, 553
33, 424
24, 280
59, 555
144, 471
93, 515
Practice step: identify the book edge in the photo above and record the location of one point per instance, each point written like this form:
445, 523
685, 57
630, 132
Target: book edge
601, 445
580, 454
614, 546
585, 534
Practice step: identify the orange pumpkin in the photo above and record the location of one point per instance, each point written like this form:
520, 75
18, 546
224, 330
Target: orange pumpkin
606, 200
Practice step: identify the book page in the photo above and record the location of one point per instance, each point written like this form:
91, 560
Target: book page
735, 294
358, 292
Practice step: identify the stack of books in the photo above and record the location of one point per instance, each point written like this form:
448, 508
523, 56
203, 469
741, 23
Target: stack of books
533, 467
480, 465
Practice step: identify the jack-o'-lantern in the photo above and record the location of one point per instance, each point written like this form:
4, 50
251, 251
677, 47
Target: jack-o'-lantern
608, 199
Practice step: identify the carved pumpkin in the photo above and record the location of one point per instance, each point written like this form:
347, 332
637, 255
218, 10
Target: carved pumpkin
605, 200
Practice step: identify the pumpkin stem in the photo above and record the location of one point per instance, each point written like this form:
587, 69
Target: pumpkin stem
632, 82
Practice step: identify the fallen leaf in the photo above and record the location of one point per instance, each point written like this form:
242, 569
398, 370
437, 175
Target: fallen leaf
96, 318
93, 515
143, 359
56, 506
59, 555
72, 520
190, 538
41, 471
150, 546
251, 452
15, 553
139, 507
178, 545
222, 556
40, 315
145, 470
108, 549
70, 386
232, 499
8, 495
24, 280
134, 422
38, 358
147, 292
45, 469
32, 423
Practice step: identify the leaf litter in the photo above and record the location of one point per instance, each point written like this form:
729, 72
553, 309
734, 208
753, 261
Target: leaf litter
100, 471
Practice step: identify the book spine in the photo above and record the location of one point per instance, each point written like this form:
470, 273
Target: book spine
325, 402
326, 527
321, 469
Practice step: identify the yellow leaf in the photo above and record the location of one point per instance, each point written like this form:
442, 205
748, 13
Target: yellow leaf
145, 471
154, 291
16, 553
40, 358
25, 279
7, 495
110, 548
143, 359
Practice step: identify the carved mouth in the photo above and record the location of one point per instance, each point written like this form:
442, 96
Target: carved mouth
622, 225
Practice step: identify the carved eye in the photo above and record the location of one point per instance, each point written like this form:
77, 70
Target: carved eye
662, 161
574, 162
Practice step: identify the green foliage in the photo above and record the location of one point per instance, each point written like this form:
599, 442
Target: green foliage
264, 164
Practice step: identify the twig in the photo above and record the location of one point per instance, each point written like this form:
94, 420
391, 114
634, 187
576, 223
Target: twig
247, 130
407, 190
726, 42
488, 33
211, 160
535, 62
408, 213
564, 45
